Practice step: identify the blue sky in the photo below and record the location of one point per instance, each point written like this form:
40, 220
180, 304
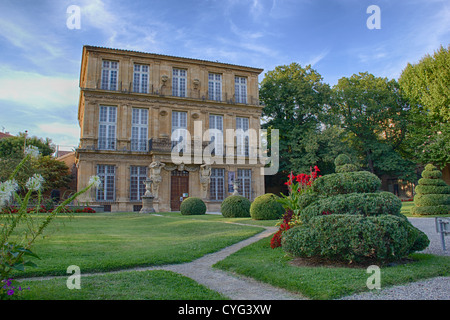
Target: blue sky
40, 56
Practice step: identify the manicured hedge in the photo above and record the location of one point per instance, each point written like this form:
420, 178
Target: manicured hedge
235, 207
192, 206
347, 182
432, 194
266, 207
355, 238
432, 189
343, 163
365, 204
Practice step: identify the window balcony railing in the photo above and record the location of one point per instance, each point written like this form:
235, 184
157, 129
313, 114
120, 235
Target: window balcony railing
187, 93
107, 143
140, 145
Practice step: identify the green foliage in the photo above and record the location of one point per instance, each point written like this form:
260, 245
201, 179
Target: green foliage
355, 238
295, 101
192, 206
373, 112
350, 221
343, 163
13, 146
19, 231
266, 207
432, 194
346, 182
364, 204
235, 207
427, 86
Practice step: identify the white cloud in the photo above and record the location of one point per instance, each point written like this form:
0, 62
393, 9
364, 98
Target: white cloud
36, 91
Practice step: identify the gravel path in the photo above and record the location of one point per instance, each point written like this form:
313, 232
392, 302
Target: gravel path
429, 289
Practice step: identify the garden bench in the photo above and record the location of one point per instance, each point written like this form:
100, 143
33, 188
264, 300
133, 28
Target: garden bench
443, 227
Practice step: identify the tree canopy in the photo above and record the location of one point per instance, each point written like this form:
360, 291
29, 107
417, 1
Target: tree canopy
427, 86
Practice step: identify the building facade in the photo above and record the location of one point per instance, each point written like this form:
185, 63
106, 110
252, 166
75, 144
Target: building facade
167, 118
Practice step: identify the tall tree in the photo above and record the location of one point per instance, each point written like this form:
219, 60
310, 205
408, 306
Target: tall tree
427, 86
294, 99
373, 112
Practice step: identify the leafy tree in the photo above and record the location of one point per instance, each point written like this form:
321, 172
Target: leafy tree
427, 86
55, 173
294, 99
14, 146
373, 112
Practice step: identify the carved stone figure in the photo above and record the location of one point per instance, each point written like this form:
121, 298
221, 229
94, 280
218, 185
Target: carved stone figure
155, 175
205, 174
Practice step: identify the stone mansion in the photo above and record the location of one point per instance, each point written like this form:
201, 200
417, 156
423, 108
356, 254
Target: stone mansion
135, 109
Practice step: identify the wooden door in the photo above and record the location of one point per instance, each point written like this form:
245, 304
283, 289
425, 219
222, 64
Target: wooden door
179, 185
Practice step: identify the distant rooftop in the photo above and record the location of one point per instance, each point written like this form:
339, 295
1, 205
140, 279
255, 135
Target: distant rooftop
5, 135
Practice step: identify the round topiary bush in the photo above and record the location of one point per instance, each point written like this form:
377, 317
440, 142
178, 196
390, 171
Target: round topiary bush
343, 163
192, 206
266, 207
355, 238
432, 194
346, 182
365, 204
350, 220
235, 207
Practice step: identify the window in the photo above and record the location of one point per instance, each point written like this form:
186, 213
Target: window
107, 128
216, 133
242, 138
139, 128
179, 130
215, 86
217, 184
138, 175
240, 89
244, 177
140, 78
109, 75
107, 174
179, 82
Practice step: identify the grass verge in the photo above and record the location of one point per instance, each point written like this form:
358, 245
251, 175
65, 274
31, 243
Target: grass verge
273, 266
134, 285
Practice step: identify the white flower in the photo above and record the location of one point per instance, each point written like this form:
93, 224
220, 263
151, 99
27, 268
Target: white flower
33, 151
7, 189
95, 181
35, 182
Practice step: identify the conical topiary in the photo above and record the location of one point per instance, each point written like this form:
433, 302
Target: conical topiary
432, 193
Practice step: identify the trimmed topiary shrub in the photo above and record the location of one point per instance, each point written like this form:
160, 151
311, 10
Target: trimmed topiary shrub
192, 206
432, 194
365, 204
350, 220
235, 207
343, 163
355, 238
266, 207
346, 182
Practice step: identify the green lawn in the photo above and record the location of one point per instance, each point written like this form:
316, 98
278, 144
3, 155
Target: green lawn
272, 266
113, 241
134, 285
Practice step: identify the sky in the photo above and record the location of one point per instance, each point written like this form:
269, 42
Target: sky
41, 44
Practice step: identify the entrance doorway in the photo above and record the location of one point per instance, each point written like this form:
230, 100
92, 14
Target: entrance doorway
179, 188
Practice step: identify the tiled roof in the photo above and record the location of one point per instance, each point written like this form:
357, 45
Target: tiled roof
5, 135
